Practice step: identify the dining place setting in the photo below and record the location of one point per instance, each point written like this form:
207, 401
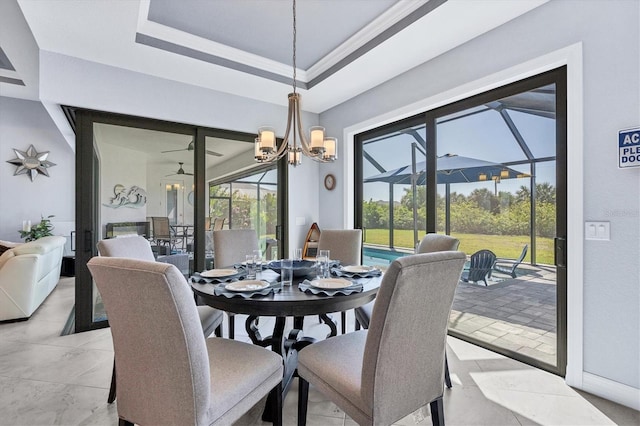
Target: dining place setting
322, 276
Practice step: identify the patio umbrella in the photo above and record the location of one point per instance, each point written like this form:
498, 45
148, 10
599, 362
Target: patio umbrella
451, 169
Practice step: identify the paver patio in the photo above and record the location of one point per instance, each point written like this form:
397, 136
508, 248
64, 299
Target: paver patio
518, 314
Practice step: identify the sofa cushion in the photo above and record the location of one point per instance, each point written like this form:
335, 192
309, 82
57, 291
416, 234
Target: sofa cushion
6, 256
40, 246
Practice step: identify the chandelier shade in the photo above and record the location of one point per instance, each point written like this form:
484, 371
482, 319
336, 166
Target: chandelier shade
295, 142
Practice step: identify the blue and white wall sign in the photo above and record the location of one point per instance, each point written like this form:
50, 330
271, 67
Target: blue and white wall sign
629, 148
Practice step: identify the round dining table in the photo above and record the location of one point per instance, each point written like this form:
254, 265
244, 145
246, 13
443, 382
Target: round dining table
289, 301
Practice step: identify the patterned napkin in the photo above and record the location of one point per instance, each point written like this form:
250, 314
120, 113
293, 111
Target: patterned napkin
308, 288
199, 279
338, 272
220, 290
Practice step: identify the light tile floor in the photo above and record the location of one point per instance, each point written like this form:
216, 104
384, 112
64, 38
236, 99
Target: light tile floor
46, 379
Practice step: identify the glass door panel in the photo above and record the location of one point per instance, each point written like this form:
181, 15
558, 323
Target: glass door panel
245, 195
491, 171
497, 191
121, 189
393, 192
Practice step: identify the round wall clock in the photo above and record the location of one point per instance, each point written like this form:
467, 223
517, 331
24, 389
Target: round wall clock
330, 181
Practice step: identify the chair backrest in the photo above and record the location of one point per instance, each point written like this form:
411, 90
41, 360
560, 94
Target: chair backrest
523, 254
481, 263
218, 223
207, 223
134, 247
163, 365
230, 246
403, 364
438, 242
161, 229
345, 245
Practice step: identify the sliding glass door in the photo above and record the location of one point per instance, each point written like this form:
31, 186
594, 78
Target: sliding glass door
137, 176
491, 171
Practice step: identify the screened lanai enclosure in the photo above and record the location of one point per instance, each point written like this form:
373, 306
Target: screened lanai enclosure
495, 177
248, 201
484, 170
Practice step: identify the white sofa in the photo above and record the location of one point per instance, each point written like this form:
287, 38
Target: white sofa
28, 273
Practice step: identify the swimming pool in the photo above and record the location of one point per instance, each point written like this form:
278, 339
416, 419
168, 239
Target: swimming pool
381, 256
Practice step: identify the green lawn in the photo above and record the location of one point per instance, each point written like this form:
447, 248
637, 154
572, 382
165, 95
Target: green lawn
509, 246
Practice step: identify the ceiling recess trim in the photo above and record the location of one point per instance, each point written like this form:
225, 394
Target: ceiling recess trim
394, 20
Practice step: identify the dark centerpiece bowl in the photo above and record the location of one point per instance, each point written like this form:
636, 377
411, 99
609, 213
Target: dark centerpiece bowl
301, 268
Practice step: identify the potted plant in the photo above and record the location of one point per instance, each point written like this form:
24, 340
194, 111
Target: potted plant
42, 229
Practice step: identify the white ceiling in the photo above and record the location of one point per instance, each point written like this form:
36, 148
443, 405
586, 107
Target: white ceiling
345, 47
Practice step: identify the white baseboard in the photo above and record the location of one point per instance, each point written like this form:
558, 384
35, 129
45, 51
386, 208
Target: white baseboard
613, 391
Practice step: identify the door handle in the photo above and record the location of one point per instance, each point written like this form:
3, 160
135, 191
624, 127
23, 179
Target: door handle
560, 252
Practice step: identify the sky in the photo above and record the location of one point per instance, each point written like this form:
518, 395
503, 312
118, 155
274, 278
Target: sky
483, 136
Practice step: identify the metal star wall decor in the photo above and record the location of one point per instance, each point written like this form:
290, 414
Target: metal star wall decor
31, 162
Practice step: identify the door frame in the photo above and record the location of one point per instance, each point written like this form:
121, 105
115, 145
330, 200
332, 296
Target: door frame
88, 190
557, 76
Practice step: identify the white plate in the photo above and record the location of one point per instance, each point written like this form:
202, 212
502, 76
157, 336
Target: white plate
247, 285
358, 269
218, 273
331, 283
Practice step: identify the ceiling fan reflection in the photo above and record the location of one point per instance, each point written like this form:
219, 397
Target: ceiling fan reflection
180, 172
190, 148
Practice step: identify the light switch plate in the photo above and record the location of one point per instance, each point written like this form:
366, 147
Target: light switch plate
597, 231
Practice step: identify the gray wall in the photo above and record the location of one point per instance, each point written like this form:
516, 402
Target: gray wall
24, 123
610, 39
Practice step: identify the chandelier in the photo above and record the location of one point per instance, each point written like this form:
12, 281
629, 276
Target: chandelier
318, 147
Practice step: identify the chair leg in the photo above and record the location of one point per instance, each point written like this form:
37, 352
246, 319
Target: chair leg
343, 318
447, 378
437, 412
232, 326
303, 399
277, 406
112, 389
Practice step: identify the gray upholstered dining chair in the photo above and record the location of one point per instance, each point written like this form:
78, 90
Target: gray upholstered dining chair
168, 372
137, 247
430, 243
230, 246
344, 245
380, 375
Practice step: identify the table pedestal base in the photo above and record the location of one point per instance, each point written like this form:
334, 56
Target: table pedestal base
287, 347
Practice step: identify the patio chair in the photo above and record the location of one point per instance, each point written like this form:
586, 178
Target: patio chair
480, 267
508, 266
162, 234
218, 223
